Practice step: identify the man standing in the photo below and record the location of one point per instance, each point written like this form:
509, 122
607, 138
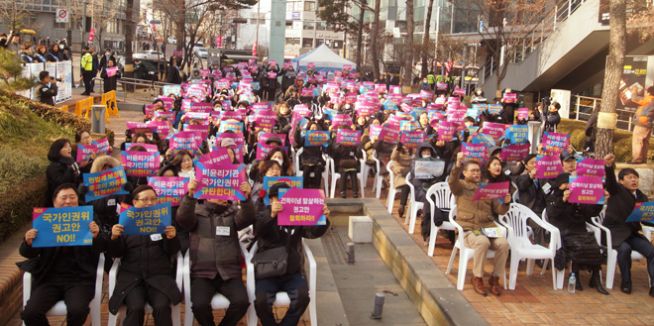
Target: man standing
626, 236
48, 88
86, 64
95, 68
476, 217
643, 128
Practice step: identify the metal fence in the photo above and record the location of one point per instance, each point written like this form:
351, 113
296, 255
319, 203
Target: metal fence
581, 108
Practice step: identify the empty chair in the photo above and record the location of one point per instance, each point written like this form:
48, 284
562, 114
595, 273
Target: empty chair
442, 200
414, 206
391, 188
515, 220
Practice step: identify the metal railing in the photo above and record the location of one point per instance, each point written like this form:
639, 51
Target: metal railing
538, 33
582, 109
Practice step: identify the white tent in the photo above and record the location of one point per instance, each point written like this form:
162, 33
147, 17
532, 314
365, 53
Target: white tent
324, 59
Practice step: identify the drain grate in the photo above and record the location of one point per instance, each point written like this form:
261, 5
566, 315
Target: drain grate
334, 245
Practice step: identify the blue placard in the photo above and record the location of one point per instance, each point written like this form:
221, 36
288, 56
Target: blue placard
517, 134
66, 226
105, 183
316, 138
643, 212
293, 182
146, 220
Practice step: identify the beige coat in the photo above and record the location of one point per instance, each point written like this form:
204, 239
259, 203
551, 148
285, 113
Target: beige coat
400, 166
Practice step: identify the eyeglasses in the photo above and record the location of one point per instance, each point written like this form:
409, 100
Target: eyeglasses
147, 199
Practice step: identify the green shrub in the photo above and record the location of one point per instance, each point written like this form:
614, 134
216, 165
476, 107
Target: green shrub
576, 129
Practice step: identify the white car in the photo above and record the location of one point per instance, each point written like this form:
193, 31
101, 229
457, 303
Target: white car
152, 55
201, 52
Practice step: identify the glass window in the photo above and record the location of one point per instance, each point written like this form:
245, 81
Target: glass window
309, 6
307, 26
307, 42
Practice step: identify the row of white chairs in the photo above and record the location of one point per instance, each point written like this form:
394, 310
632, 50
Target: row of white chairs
183, 280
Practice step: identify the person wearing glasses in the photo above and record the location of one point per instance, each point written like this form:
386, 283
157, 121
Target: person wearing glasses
60, 273
146, 272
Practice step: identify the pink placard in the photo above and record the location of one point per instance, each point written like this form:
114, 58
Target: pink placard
548, 166
514, 152
493, 129
302, 207
591, 167
586, 190
491, 190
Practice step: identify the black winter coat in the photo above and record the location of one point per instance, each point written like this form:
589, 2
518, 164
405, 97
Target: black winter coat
619, 206
270, 236
62, 171
41, 260
531, 195
144, 261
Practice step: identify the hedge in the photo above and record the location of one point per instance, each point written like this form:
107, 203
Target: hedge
27, 129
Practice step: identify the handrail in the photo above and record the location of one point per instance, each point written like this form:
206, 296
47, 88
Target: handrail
541, 31
581, 109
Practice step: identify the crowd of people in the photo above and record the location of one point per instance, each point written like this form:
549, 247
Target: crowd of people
330, 116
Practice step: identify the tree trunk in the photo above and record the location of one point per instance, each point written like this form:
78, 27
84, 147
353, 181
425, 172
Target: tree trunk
130, 30
612, 75
180, 24
360, 38
425, 39
375, 40
408, 59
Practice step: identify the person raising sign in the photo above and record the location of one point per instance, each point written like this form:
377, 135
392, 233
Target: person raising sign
66, 273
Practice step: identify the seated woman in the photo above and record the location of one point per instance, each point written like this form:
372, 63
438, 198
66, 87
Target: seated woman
579, 245
60, 273
292, 281
146, 273
62, 168
402, 158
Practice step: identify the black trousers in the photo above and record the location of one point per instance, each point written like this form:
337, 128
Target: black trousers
77, 297
136, 300
404, 194
312, 178
88, 81
298, 291
352, 176
203, 290
641, 245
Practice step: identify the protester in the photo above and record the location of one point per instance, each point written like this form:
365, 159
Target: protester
272, 241
216, 255
110, 75
62, 168
145, 272
48, 89
626, 236
476, 217
83, 138
60, 273
644, 117
579, 245
401, 159
552, 117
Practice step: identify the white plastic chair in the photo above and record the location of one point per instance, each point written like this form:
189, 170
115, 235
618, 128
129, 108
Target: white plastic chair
443, 197
414, 206
515, 220
390, 200
281, 298
335, 176
299, 173
612, 254
465, 252
377, 185
296, 162
59, 309
175, 311
218, 301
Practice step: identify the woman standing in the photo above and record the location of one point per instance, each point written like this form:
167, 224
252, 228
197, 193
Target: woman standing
62, 168
110, 75
145, 273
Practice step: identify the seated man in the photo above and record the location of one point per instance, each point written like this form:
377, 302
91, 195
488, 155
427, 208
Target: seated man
215, 253
626, 236
474, 216
60, 273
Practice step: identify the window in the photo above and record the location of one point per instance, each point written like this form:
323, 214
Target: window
321, 26
307, 42
309, 6
307, 26
293, 41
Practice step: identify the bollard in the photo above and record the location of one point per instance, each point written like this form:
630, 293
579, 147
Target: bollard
350, 253
535, 128
97, 119
379, 306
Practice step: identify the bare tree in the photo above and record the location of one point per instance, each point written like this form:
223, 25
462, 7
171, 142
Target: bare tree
408, 62
14, 14
338, 16
508, 24
612, 76
425, 38
375, 39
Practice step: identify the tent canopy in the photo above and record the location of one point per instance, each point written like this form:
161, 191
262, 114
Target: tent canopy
324, 59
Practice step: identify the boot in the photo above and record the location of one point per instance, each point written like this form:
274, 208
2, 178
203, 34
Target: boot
343, 185
400, 210
597, 283
355, 186
495, 288
343, 194
478, 286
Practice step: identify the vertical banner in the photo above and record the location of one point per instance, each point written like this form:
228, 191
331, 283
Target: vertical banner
169, 189
302, 207
146, 220
66, 226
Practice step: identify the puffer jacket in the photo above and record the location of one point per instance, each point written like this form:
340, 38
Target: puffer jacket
473, 214
213, 254
401, 165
